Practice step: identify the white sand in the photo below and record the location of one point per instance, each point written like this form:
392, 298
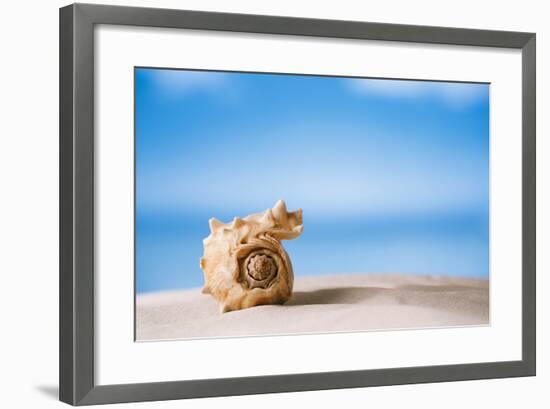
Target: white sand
321, 304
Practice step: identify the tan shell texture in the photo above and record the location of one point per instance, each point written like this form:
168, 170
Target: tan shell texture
244, 262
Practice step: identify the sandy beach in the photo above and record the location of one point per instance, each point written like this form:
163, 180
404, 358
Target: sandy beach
333, 303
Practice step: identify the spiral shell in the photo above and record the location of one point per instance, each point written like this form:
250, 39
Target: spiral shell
244, 262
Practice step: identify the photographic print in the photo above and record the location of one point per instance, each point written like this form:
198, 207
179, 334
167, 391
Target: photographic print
278, 204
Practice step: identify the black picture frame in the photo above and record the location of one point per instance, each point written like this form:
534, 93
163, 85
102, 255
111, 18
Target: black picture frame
76, 274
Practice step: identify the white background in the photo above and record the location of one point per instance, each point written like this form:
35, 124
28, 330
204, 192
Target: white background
120, 360
28, 205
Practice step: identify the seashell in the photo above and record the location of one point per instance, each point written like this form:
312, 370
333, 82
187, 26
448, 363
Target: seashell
244, 262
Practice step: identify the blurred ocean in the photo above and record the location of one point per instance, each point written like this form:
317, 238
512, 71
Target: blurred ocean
169, 247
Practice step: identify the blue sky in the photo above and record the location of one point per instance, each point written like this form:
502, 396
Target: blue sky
410, 158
